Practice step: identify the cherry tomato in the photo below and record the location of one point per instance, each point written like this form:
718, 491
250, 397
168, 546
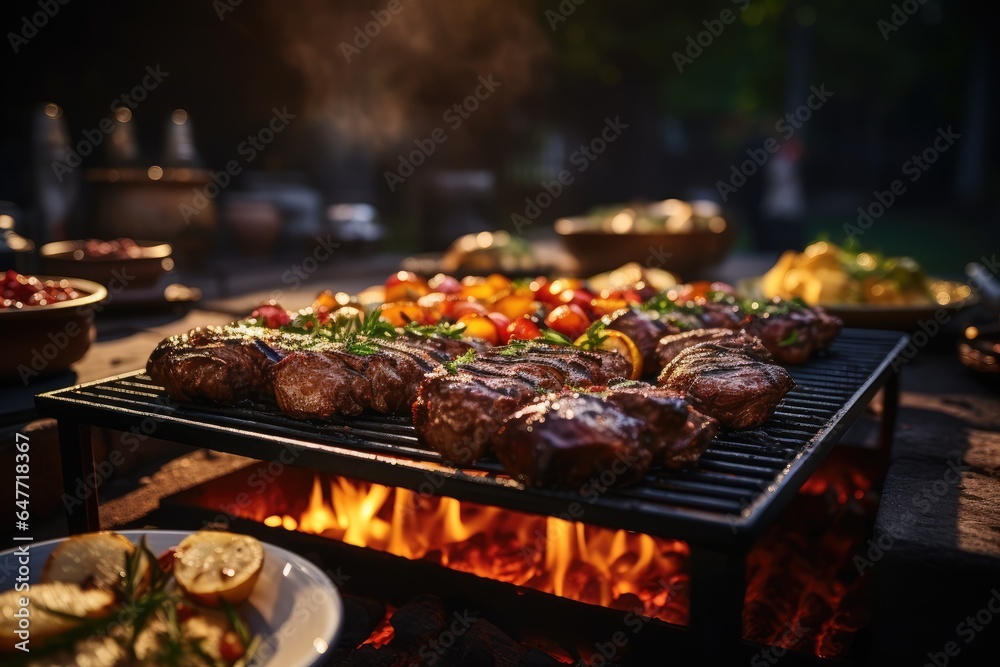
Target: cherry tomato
516, 305
698, 291
476, 287
498, 282
579, 296
502, 322
480, 326
231, 648
271, 315
569, 320
550, 292
523, 328
602, 307
405, 286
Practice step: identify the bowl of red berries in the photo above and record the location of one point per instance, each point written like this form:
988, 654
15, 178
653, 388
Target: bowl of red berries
47, 323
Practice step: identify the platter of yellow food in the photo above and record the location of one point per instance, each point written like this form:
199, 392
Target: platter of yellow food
864, 288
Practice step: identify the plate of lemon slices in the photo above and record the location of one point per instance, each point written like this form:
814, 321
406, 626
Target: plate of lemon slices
206, 598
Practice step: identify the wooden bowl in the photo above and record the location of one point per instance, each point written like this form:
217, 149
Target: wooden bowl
40, 340
684, 254
67, 258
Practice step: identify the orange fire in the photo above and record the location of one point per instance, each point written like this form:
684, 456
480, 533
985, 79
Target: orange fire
613, 568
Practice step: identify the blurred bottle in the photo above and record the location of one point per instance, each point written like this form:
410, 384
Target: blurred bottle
122, 149
57, 176
180, 150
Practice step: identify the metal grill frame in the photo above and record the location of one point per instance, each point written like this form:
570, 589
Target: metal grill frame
748, 470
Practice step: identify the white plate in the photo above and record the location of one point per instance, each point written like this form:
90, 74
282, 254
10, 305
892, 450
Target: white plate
294, 607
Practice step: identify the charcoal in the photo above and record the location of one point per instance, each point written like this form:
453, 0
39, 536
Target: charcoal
361, 617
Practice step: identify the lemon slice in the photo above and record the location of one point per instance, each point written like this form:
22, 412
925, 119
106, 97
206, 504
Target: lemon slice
616, 341
212, 566
94, 560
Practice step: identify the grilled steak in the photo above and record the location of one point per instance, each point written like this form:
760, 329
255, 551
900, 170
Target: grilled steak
731, 380
458, 411
612, 435
220, 364
793, 336
676, 433
321, 382
308, 376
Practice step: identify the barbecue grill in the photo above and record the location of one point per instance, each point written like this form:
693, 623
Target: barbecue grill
719, 506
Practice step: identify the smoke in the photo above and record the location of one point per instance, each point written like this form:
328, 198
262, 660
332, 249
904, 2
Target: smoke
393, 82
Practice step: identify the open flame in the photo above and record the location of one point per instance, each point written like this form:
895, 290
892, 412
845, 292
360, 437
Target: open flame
613, 568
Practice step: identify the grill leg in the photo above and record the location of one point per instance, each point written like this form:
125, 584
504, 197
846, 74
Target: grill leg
77, 455
718, 585
890, 407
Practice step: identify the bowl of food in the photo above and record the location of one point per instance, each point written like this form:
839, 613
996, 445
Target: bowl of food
48, 323
863, 288
120, 263
677, 236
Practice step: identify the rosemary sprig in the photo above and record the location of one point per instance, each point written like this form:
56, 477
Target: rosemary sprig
452, 366
594, 336
443, 329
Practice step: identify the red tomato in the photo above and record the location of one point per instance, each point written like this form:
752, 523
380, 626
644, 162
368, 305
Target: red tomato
579, 296
502, 322
523, 328
480, 326
271, 315
569, 320
231, 648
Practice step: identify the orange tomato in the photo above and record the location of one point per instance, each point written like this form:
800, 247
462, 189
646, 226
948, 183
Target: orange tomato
405, 286
480, 326
602, 307
402, 313
516, 305
476, 287
498, 282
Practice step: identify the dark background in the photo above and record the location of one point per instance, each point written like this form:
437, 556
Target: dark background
559, 84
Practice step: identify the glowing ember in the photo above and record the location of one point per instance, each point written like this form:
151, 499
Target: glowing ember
612, 568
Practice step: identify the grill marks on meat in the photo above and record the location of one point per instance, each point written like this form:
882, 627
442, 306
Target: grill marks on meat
645, 329
570, 438
219, 364
731, 380
308, 377
458, 413
672, 345
793, 336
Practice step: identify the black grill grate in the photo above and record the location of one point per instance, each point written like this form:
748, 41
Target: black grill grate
739, 484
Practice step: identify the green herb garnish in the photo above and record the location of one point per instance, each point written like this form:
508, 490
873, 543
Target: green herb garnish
452, 366
594, 336
791, 339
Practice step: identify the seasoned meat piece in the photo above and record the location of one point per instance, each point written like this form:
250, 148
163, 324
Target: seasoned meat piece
675, 432
566, 440
791, 332
671, 345
730, 380
645, 330
497, 382
220, 364
457, 414
718, 315
313, 384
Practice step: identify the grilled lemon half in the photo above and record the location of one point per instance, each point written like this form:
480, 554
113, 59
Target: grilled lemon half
214, 566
